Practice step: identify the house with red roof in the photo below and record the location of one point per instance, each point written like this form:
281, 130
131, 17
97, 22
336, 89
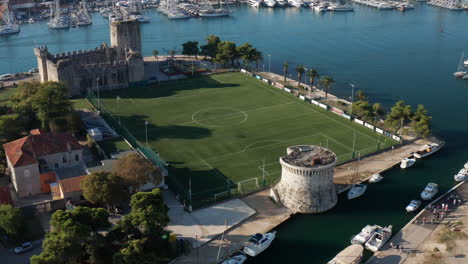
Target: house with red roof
31, 160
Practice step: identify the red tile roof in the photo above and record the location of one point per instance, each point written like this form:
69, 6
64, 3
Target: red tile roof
23, 151
37, 131
71, 184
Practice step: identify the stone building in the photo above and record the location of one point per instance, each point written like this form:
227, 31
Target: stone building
106, 67
306, 184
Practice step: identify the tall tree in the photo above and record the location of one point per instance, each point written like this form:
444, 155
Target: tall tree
155, 53
300, 69
379, 111
227, 52
285, 70
398, 116
313, 73
104, 188
210, 49
257, 56
361, 95
421, 122
51, 101
23, 98
244, 51
327, 81
190, 48
137, 170
11, 220
74, 238
11, 128
363, 110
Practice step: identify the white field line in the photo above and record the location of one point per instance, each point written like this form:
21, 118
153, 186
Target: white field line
310, 109
337, 142
246, 150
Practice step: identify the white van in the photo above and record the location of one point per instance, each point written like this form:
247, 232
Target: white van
5, 77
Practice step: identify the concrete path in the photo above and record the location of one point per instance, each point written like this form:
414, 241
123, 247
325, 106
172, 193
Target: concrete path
415, 233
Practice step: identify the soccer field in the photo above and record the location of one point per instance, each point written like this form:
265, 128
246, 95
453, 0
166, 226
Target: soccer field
227, 131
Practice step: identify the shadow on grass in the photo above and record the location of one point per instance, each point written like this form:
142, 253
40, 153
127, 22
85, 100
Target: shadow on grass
168, 88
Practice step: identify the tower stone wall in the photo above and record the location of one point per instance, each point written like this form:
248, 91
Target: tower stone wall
126, 35
306, 184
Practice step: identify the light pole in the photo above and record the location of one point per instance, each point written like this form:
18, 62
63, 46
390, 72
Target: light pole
146, 132
263, 67
98, 99
352, 97
269, 63
118, 109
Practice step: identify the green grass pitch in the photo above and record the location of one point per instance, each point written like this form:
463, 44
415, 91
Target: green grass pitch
219, 130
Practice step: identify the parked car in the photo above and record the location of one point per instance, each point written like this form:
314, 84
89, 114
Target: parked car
34, 70
26, 246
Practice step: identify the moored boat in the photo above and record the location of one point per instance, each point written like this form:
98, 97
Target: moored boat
254, 3
356, 191
427, 150
430, 191
407, 162
376, 178
365, 234
462, 175
379, 238
413, 206
236, 259
258, 243
460, 72
350, 255
269, 3
214, 12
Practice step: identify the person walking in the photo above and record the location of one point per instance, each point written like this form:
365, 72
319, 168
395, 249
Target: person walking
424, 220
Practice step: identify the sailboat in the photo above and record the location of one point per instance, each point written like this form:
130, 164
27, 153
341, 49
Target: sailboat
214, 12
460, 72
58, 20
357, 189
10, 24
84, 18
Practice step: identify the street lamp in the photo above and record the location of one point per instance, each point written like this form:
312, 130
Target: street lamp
118, 109
146, 132
263, 67
352, 97
98, 98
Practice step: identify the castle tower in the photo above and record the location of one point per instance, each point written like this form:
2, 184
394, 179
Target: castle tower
42, 55
306, 184
126, 35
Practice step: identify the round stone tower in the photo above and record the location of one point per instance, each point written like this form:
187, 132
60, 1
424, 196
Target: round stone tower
306, 184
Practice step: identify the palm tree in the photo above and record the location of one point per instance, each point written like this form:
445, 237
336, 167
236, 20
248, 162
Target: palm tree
257, 57
327, 81
285, 69
300, 70
172, 53
155, 53
312, 73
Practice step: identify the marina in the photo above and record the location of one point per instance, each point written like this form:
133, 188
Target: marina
357, 212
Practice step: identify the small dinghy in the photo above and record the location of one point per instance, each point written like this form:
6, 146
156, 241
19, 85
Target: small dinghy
356, 191
364, 235
407, 162
430, 191
376, 178
462, 175
237, 259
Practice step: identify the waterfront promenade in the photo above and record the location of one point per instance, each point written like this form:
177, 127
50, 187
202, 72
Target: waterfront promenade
419, 238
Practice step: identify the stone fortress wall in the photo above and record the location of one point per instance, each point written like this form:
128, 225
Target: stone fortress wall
306, 184
105, 67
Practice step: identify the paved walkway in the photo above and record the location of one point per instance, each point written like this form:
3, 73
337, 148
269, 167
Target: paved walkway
415, 233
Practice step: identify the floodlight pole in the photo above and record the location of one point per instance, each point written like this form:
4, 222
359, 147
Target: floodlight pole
263, 67
146, 132
269, 63
98, 98
352, 97
354, 142
118, 109
263, 173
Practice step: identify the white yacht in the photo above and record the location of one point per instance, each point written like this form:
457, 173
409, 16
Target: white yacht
385, 6
413, 206
214, 12
281, 3
296, 3
258, 243
465, 63
177, 15
379, 238
356, 191
10, 25
254, 3
430, 191
462, 175
427, 150
350, 255
376, 178
465, 166
340, 8
365, 234
407, 162
237, 259
321, 8
460, 71
269, 3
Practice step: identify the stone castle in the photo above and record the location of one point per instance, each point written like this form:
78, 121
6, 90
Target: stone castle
106, 68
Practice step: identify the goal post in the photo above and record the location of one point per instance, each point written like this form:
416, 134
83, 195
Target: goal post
246, 185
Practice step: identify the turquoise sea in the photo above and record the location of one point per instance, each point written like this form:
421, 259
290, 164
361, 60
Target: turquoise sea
389, 54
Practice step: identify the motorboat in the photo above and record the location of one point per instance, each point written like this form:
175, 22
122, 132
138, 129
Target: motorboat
460, 71
350, 255
254, 3
321, 8
214, 12
356, 191
296, 3
430, 191
462, 175
379, 238
364, 235
281, 3
177, 15
465, 166
427, 150
413, 206
258, 243
376, 178
237, 259
340, 8
269, 3
407, 162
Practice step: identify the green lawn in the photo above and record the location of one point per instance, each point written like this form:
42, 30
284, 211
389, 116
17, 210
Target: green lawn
113, 145
218, 130
80, 104
5, 94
